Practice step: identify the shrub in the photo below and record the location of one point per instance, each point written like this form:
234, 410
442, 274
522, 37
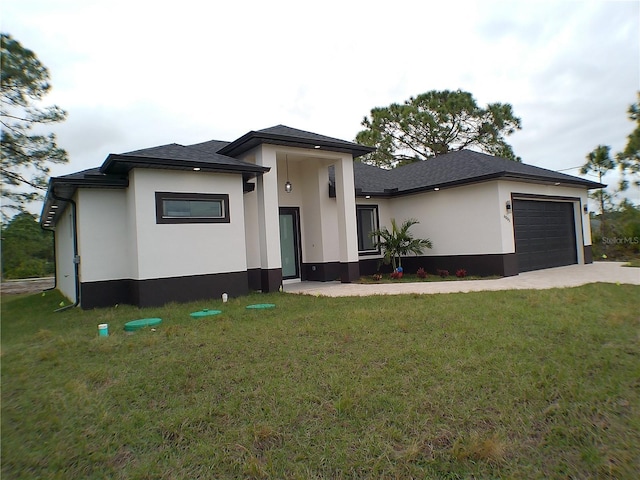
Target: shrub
421, 273
398, 242
461, 273
443, 273
377, 276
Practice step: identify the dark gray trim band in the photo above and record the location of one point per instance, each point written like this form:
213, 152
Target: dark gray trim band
588, 254
349, 271
270, 280
505, 264
160, 291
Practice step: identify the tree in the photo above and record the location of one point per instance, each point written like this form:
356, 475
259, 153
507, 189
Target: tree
434, 123
25, 155
399, 242
27, 250
600, 162
622, 241
629, 159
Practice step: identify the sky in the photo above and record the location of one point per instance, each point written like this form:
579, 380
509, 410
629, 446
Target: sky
134, 74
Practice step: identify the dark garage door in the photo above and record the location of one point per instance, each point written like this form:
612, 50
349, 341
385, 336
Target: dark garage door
545, 234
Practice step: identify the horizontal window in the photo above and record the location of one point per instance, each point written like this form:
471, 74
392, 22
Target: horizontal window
367, 218
192, 208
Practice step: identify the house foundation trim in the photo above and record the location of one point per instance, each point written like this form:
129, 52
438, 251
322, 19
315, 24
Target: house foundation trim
503, 264
270, 280
588, 254
321, 271
349, 271
160, 291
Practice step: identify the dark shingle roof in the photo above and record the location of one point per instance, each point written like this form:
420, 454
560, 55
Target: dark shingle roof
177, 156
212, 146
292, 137
371, 179
91, 176
454, 168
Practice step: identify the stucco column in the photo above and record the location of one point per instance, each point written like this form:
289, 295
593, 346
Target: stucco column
347, 230
269, 221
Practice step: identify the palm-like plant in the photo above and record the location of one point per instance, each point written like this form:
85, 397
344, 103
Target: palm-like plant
399, 242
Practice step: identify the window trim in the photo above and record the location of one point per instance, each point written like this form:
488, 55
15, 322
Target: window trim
218, 197
375, 208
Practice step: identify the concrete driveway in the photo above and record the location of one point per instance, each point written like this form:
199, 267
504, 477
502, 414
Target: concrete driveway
570, 276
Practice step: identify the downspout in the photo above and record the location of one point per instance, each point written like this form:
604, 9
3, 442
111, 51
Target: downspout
76, 258
55, 265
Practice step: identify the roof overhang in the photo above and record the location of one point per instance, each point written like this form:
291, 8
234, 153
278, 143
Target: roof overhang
123, 163
253, 139
62, 189
537, 179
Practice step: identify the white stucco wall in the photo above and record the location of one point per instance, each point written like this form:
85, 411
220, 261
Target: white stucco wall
346, 209
251, 233
103, 236
459, 221
173, 250
319, 220
319, 214
65, 272
328, 222
472, 219
311, 183
268, 217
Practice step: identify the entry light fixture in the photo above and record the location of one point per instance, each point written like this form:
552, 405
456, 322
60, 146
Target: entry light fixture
508, 206
585, 209
287, 186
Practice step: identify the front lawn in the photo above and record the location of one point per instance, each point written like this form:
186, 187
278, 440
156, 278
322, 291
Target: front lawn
509, 384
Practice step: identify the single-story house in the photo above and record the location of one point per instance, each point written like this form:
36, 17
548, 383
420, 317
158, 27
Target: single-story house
181, 223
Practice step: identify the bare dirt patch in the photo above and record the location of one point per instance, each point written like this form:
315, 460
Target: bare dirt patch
31, 285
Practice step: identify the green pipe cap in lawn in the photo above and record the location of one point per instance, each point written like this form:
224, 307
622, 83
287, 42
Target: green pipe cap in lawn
134, 325
205, 312
261, 305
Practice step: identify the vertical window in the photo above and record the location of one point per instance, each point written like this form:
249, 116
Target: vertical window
367, 218
192, 208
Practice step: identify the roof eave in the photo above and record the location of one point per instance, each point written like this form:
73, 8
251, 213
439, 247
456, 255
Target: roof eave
124, 163
49, 216
483, 178
252, 139
570, 181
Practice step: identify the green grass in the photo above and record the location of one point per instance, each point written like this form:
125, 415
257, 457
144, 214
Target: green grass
511, 384
633, 263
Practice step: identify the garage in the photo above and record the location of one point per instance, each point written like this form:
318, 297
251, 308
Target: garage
545, 234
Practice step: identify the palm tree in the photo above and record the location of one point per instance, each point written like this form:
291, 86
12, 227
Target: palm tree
399, 242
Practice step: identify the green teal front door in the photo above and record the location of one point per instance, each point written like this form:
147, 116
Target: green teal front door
290, 242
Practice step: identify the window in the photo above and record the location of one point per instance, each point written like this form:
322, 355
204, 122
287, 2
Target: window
192, 208
367, 218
